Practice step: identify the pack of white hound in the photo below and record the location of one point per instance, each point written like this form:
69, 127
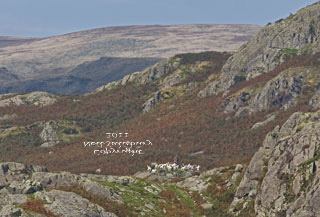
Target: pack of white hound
172, 167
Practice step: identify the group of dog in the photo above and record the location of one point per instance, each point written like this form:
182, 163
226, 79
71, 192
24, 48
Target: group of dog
172, 167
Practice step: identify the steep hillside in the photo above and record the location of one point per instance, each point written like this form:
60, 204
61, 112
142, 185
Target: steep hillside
296, 35
49, 64
159, 105
84, 118
275, 69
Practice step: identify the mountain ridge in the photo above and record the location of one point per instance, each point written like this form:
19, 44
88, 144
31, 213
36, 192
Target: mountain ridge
59, 55
294, 35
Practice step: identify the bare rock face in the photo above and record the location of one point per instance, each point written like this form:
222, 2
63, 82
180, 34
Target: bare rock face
280, 91
273, 45
283, 177
34, 98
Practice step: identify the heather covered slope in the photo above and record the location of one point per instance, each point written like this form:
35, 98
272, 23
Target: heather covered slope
197, 105
281, 180
177, 121
163, 104
48, 64
93, 115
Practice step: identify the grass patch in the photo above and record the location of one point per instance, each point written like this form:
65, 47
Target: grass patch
290, 51
136, 196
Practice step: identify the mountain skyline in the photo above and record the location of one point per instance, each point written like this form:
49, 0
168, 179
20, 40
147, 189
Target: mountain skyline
99, 56
37, 18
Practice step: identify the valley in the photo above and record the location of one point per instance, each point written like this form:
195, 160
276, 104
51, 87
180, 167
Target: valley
237, 131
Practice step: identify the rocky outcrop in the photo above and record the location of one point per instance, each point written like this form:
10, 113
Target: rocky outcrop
121, 180
150, 74
64, 179
268, 119
234, 103
70, 204
282, 177
18, 182
7, 117
152, 102
280, 91
283, 92
49, 135
9, 205
163, 175
273, 45
171, 77
174, 83
315, 100
34, 98
201, 182
32, 191
13, 173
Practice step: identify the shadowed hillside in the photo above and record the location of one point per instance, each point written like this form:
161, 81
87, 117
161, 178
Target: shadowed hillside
64, 64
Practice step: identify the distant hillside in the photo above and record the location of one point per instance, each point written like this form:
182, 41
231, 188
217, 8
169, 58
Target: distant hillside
82, 79
49, 64
13, 41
